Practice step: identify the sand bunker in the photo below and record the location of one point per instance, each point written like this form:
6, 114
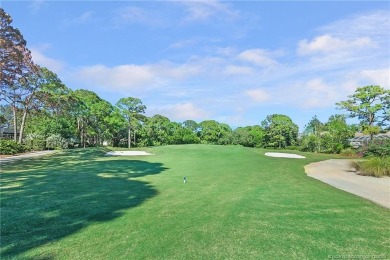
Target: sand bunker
285, 155
128, 153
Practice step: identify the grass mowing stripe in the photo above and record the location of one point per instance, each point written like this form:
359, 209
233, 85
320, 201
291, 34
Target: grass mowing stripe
236, 204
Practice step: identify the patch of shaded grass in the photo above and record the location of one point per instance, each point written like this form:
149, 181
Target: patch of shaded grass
237, 204
374, 166
46, 199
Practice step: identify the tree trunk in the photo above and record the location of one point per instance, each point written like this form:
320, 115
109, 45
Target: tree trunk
129, 138
22, 125
82, 133
85, 136
79, 129
15, 123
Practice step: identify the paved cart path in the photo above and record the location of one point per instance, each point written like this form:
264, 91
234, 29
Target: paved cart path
340, 174
25, 155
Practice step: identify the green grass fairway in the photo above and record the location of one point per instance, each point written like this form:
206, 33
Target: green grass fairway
237, 204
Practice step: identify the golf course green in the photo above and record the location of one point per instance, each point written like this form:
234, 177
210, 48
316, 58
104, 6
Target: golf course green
236, 204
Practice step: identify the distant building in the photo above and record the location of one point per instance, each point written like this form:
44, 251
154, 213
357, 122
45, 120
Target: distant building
8, 133
361, 139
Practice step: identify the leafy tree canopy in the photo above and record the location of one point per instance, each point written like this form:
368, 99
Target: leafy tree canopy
370, 104
280, 131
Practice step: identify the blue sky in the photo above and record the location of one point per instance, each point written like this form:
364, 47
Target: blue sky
232, 61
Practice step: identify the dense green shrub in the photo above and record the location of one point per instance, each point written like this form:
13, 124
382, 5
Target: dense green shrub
293, 147
375, 166
348, 152
376, 148
35, 142
123, 143
10, 147
57, 142
310, 143
73, 142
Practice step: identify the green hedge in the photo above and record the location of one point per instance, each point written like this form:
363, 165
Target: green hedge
10, 147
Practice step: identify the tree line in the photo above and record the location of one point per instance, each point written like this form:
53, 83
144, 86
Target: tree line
47, 114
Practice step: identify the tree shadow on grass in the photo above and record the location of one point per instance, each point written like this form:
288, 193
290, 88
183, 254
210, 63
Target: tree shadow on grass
46, 199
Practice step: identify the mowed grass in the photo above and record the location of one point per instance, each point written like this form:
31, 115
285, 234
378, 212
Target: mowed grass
237, 204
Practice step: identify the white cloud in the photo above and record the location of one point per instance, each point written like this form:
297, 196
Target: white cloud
373, 24
258, 95
360, 78
234, 70
132, 13
379, 77
204, 10
123, 77
187, 111
137, 15
312, 94
183, 43
81, 19
324, 92
316, 86
36, 5
180, 112
84, 17
258, 57
327, 43
226, 51
135, 77
44, 61
207, 84
344, 47
318, 94
176, 71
